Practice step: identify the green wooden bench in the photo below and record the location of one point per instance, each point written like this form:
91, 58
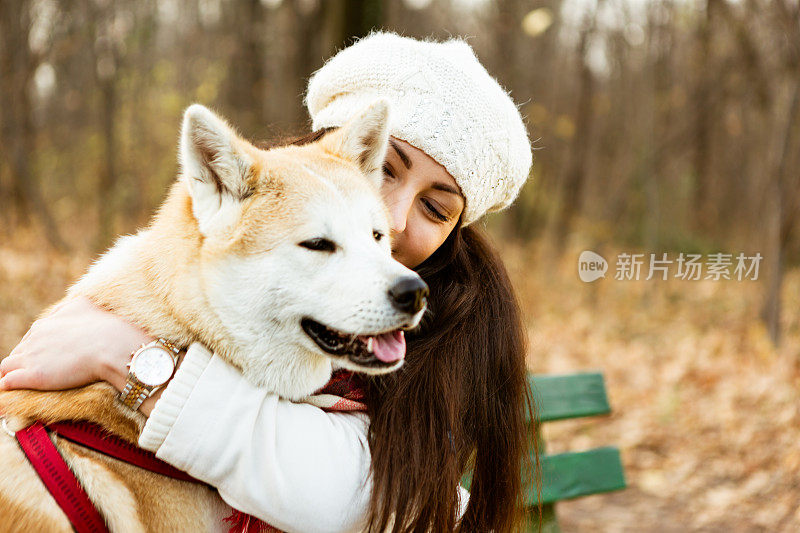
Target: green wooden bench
573, 474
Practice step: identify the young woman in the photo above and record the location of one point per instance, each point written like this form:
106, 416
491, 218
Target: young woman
458, 149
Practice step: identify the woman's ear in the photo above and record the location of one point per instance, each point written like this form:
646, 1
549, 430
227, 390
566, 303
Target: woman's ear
364, 140
213, 165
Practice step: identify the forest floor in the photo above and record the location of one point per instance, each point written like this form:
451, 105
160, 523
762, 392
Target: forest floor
706, 412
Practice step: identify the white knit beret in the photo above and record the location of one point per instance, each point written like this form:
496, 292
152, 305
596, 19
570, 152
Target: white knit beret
442, 101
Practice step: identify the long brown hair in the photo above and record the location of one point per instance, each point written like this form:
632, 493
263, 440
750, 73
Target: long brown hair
459, 400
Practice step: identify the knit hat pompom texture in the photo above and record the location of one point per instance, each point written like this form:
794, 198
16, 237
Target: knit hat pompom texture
443, 101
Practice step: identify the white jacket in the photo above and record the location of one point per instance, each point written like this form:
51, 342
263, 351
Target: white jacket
292, 465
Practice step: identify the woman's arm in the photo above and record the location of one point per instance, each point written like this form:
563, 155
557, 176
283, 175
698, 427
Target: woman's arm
294, 466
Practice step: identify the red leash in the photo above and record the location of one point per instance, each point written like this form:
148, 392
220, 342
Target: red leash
59, 480
98, 439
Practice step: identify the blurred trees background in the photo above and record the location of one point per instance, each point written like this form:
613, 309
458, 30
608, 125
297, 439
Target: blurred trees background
668, 125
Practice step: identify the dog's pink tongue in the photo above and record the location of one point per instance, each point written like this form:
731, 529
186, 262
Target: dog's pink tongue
390, 347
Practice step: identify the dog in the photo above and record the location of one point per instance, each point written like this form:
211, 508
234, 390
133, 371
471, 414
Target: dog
277, 260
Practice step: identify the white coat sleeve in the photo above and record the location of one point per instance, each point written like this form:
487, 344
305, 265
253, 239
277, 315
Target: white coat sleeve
293, 465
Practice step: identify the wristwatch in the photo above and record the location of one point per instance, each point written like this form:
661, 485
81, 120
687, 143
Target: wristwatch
150, 368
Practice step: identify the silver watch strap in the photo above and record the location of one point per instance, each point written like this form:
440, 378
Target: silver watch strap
174, 349
133, 394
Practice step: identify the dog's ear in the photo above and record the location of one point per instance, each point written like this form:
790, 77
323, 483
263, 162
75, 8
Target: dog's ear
213, 165
364, 139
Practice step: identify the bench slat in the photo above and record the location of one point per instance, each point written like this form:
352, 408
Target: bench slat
569, 396
574, 474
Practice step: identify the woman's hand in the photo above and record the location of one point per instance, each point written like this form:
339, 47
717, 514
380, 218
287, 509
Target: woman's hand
75, 344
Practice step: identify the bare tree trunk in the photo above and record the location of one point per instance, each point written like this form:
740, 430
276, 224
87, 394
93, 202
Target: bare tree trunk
295, 51
17, 66
347, 19
660, 51
781, 223
246, 81
513, 51
773, 260
760, 82
138, 129
575, 179
705, 115
791, 191
360, 16
107, 182
106, 70
309, 53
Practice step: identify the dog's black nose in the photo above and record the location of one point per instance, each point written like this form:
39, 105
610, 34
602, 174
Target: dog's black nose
409, 294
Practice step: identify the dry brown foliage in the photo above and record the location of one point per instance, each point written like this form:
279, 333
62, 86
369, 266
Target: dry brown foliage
705, 411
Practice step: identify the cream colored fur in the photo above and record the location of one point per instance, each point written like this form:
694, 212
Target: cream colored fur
220, 263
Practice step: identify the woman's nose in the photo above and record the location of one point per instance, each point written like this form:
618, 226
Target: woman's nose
398, 221
399, 207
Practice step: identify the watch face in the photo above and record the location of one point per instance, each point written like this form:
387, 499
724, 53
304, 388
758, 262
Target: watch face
153, 366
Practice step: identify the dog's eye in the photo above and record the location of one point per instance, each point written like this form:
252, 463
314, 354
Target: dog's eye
377, 235
319, 245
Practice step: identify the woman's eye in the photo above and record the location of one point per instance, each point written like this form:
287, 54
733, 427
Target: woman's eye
434, 212
387, 170
377, 235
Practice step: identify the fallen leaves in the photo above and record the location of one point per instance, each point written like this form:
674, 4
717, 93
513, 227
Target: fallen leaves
706, 411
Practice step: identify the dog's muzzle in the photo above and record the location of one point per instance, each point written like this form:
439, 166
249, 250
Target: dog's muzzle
357, 348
